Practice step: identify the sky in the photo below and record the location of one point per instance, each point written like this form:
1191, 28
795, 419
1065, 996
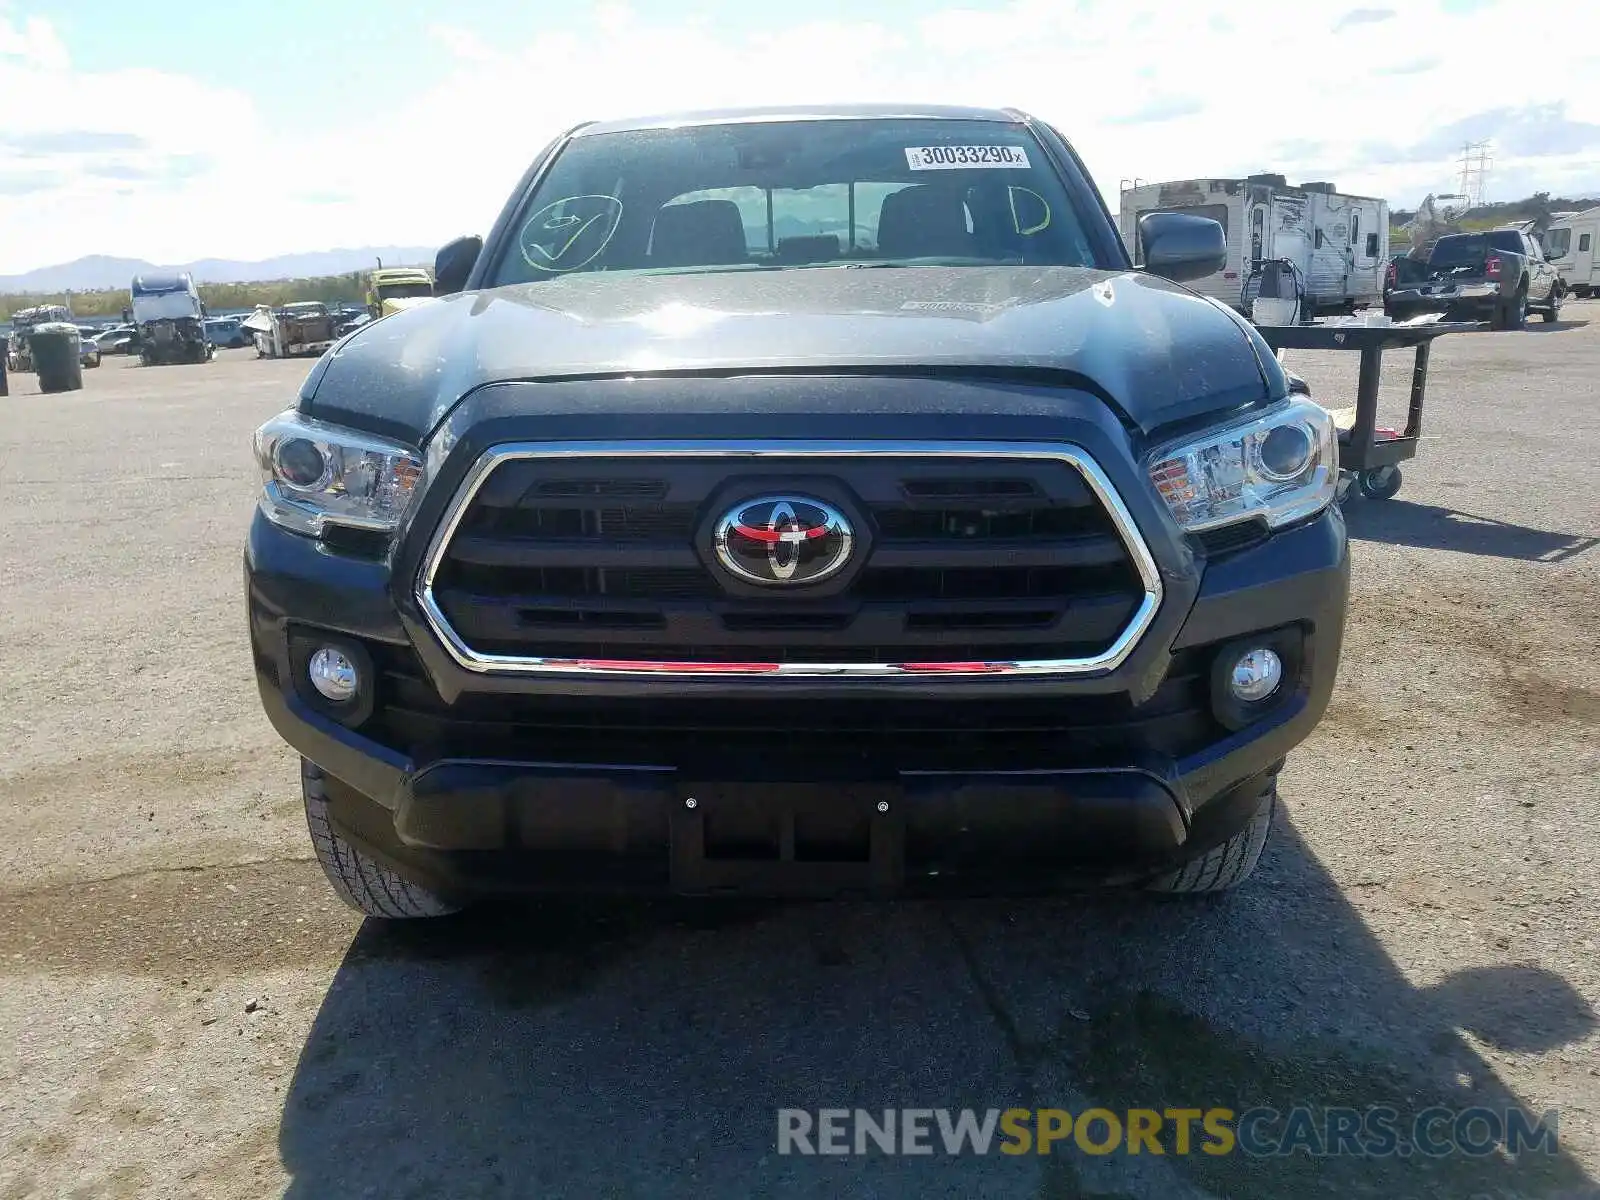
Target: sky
178, 132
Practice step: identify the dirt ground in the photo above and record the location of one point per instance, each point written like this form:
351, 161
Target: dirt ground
187, 1011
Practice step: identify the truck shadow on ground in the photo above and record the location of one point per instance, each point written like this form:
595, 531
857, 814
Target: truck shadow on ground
1561, 326
644, 1048
1403, 523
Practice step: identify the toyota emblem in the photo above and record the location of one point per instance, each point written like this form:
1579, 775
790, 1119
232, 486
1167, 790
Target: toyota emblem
783, 540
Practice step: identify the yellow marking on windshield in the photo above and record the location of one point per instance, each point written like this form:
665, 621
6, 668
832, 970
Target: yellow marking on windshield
1016, 219
569, 227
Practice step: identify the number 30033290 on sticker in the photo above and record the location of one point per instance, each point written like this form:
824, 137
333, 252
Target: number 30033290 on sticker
955, 158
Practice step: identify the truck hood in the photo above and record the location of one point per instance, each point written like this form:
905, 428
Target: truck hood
1153, 349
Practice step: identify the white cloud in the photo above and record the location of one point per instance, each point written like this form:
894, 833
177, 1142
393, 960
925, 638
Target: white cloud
82, 168
34, 41
1292, 88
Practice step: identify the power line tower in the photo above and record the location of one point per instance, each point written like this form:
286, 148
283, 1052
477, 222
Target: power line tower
1476, 159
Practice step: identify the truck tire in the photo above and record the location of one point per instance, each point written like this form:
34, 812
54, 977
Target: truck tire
360, 881
1514, 313
1224, 867
1553, 314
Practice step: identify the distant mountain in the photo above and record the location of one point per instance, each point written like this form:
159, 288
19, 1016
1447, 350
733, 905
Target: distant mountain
100, 271
86, 274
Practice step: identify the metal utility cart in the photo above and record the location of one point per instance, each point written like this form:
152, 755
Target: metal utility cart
1369, 456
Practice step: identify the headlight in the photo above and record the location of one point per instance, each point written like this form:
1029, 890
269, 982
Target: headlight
1281, 467
315, 475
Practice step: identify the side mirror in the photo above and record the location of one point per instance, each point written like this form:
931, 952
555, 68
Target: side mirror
1180, 247
454, 263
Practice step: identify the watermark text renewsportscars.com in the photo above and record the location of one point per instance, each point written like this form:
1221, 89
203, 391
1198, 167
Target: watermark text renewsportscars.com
1374, 1132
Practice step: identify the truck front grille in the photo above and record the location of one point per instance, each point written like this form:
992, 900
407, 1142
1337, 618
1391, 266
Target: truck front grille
970, 557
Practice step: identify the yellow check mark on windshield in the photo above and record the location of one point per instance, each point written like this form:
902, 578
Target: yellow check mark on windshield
563, 223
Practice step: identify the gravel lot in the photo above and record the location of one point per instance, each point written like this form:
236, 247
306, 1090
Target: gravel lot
187, 1011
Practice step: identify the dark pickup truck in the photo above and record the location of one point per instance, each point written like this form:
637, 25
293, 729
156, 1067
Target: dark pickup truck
798, 502
1498, 276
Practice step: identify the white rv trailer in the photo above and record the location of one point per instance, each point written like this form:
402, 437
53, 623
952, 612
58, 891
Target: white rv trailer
1340, 243
1572, 244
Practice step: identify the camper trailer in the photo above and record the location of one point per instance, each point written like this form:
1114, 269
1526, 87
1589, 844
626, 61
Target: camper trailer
1571, 246
1337, 243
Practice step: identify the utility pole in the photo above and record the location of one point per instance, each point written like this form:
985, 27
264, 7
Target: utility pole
1476, 159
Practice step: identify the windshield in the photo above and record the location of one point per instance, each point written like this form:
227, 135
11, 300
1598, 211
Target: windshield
790, 194
394, 291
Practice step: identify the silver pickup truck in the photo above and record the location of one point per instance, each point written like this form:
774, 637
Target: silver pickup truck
1497, 276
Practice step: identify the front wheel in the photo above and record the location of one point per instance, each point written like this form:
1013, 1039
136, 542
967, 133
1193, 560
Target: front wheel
363, 883
1553, 314
1224, 867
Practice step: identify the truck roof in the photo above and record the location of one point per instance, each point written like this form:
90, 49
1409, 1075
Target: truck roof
811, 112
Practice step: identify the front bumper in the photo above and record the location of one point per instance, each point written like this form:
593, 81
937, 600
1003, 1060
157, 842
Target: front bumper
1137, 774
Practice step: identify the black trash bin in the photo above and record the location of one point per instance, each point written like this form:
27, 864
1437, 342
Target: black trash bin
56, 357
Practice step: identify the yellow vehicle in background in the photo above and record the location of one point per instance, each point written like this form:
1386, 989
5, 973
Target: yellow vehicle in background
390, 289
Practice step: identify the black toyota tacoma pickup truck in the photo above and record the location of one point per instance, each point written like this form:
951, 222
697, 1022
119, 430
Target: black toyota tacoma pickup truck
798, 502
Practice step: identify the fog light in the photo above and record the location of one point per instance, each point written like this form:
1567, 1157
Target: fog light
1256, 675
334, 676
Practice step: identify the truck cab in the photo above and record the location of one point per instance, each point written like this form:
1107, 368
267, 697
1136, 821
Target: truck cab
170, 318
392, 289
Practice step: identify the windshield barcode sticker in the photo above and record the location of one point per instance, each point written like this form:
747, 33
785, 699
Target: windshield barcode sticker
957, 158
